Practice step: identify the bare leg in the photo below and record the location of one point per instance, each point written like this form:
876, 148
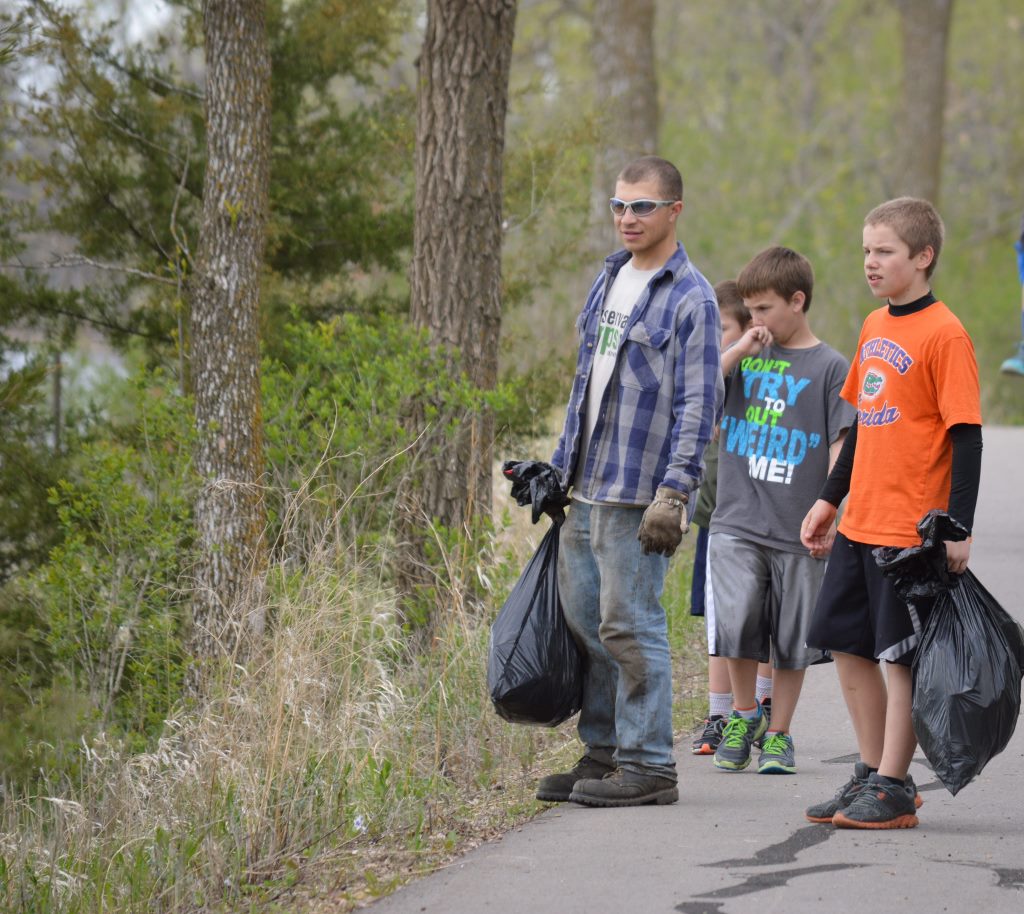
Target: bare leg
743, 675
785, 694
866, 699
718, 675
900, 741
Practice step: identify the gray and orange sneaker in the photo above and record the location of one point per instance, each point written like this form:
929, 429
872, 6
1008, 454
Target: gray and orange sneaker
707, 742
823, 813
879, 804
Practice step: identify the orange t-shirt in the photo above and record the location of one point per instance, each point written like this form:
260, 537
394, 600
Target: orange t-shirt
913, 377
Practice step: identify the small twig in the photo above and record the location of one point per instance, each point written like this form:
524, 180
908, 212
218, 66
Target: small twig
78, 260
119, 124
178, 240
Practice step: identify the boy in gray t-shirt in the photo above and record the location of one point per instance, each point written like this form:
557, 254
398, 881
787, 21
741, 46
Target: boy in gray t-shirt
783, 425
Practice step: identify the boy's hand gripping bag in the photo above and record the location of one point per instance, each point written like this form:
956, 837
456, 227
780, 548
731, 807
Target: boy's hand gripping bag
534, 667
967, 671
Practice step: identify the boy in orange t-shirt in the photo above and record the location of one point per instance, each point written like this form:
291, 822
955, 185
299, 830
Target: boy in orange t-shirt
916, 447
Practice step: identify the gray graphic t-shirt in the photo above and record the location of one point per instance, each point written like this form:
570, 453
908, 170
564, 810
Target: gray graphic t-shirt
782, 411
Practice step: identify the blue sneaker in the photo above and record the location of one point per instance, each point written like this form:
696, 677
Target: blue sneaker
733, 752
1014, 364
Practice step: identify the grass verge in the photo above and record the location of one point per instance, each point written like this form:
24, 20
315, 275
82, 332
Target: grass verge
337, 763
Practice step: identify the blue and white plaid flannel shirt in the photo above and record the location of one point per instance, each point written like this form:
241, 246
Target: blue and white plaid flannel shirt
664, 398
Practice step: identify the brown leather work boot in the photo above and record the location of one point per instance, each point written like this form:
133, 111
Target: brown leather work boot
625, 788
556, 788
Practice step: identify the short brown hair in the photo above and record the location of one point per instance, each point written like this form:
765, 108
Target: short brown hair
917, 223
731, 302
777, 269
653, 168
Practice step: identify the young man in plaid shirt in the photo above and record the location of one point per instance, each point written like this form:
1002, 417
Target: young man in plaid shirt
645, 398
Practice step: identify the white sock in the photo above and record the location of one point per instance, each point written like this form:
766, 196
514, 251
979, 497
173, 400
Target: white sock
749, 714
763, 687
719, 703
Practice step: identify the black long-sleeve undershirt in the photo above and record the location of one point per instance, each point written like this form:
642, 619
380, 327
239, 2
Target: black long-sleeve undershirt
964, 484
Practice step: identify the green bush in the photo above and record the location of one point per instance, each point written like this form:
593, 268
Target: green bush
339, 407
90, 639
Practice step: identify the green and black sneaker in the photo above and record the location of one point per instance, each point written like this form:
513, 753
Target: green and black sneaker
733, 752
778, 755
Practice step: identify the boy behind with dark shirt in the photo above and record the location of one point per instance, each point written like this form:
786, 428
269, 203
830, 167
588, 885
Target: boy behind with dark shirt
916, 447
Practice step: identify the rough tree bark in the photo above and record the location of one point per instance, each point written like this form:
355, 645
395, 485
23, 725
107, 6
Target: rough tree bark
924, 28
225, 354
626, 87
456, 266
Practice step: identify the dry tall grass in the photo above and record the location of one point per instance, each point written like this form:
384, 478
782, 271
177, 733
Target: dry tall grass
334, 764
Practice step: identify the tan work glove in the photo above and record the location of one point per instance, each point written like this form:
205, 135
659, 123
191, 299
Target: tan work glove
664, 521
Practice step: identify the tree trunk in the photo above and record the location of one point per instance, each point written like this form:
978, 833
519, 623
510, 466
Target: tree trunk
223, 295
924, 27
456, 265
626, 87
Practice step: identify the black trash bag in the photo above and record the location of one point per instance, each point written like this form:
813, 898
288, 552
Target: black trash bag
537, 483
967, 670
920, 572
967, 682
534, 666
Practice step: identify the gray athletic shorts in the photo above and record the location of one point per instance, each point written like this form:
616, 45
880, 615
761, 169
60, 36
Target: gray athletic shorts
764, 599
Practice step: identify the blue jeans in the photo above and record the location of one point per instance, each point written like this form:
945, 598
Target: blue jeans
610, 595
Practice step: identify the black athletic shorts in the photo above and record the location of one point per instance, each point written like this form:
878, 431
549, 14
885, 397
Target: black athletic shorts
858, 611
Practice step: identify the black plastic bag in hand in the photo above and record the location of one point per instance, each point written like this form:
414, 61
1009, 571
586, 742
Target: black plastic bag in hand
920, 572
539, 484
534, 667
967, 670
967, 682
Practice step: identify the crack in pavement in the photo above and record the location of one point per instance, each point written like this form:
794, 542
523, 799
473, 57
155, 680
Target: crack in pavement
784, 851
773, 855
758, 882
1011, 878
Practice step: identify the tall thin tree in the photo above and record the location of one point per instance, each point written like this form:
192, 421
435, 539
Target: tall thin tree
924, 30
456, 265
622, 53
224, 299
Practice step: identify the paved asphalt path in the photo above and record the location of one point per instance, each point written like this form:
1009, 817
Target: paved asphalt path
738, 842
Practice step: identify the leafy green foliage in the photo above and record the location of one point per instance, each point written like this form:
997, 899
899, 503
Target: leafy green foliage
115, 146
337, 404
101, 619
780, 139
93, 634
28, 468
341, 174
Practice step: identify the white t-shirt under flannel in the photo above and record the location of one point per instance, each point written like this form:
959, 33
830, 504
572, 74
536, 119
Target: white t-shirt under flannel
663, 404
630, 283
